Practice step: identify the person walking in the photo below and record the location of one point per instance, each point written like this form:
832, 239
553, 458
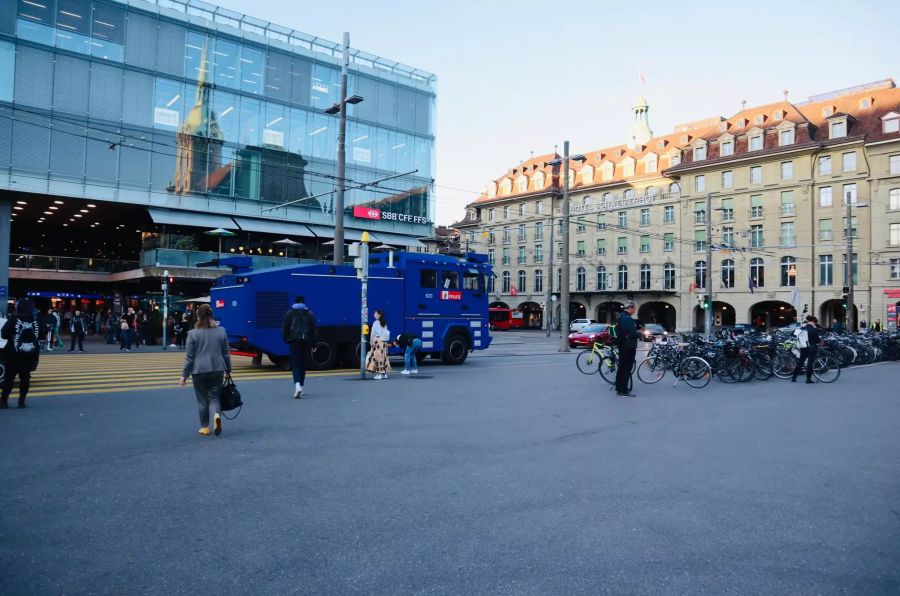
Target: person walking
49, 327
182, 326
78, 329
411, 344
207, 359
126, 328
299, 331
627, 337
57, 321
22, 333
379, 337
808, 339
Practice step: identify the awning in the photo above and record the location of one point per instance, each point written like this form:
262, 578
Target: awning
321, 231
272, 226
193, 219
396, 239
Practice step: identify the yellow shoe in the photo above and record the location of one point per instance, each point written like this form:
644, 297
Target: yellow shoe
217, 425
204, 430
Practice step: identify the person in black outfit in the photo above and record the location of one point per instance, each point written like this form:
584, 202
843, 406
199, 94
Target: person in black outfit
78, 329
627, 338
22, 334
809, 352
299, 332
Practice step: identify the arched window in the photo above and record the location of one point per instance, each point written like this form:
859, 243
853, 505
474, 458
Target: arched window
728, 273
520, 282
558, 279
601, 279
669, 276
645, 277
674, 189
505, 286
580, 280
538, 180
757, 272
629, 194
538, 280
894, 199
651, 191
522, 184
788, 271
587, 175
623, 277
700, 274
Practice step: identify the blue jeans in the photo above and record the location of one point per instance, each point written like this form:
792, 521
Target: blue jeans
409, 357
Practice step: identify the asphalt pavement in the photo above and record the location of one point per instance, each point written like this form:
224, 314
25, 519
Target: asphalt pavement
511, 474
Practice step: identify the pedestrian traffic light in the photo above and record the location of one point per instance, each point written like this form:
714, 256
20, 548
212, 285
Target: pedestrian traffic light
705, 303
171, 280
845, 304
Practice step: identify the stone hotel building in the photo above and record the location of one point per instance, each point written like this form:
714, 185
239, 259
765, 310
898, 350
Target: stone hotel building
780, 175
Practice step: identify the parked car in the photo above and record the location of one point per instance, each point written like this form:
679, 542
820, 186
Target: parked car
589, 334
739, 329
578, 324
651, 331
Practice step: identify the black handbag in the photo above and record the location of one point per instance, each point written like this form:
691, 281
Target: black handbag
230, 399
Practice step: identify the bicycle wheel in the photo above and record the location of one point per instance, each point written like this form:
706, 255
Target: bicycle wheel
727, 370
783, 365
588, 362
695, 371
826, 369
607, 369
748, 369
763, 371
650, 372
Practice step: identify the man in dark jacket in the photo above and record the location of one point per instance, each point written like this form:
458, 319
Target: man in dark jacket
808, 339
627, 335
299, 331
78, 329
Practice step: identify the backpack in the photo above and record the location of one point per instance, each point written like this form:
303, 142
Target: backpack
300, 328
25, 337
802, 337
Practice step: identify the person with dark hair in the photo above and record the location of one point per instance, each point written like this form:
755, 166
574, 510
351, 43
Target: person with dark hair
78, 329
379, 337
299, 331
207, 360
808, 339
627, 337
411, 346
23, 334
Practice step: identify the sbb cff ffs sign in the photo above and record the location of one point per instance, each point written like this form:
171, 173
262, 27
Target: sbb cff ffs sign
373, 213
367, 212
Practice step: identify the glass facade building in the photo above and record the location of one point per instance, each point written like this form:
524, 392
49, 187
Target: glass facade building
186, 106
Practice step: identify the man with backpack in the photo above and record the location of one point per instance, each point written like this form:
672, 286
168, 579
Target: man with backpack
299, 332
808, 339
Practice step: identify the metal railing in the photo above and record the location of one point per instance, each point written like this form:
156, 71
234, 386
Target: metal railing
67, 264
168, 257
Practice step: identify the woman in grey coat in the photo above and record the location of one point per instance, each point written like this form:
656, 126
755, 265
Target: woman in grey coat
208, 361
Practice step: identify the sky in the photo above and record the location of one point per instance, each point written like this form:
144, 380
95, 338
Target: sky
522, 77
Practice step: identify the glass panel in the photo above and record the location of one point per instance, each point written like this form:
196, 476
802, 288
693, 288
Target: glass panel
34, 76
247, 172
71, 85
402, 152
5, 136
324, 87
384, 159
36, 21
170, 48
73, 22
360, 144
140, 41
298, 137
423, 158
168, 104
106, 92
406, 108
195, 46
162, 162
225, 113
67, 149
226, 64
387, 104
108, 32
102, 164
138, 99
252, 63
424, 107
249, 128
756, 201
274, 132
134, 158
7, 70
278, 76
32, 142
300, 81
367, 89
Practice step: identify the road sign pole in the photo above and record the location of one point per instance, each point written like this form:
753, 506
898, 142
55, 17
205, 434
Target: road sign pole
364, 301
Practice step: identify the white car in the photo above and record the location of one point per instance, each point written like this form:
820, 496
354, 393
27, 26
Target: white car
577, 324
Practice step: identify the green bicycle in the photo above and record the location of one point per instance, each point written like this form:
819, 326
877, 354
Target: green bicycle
601, 359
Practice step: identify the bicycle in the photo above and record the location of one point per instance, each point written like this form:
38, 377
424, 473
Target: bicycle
603, 359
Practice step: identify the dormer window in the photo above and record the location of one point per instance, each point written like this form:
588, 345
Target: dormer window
522, 184
506, 186
726, 148
684, 139
827, 111
660, 144
837, 129
674, 159
628, 167
756, 142
587, 175
759, 119
538, 181
786, 137
777, 115
492, 190
740, 123
606, 170
723, 126
890, 122
650, 163
700, 153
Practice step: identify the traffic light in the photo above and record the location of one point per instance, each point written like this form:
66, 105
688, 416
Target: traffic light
705, 303
845, 301
171, 280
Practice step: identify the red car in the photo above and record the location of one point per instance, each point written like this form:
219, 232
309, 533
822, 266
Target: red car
590, 334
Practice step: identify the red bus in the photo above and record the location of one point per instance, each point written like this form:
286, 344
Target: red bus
504, 319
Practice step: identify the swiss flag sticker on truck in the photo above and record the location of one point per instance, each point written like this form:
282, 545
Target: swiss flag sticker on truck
449, 295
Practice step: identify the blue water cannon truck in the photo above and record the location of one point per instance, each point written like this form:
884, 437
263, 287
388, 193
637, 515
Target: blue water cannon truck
443, 299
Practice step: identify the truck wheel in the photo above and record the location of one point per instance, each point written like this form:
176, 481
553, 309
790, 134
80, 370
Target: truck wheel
282, 362
350, 355
322, 355
456, 349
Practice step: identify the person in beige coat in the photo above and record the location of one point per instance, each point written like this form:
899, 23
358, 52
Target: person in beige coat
208, 361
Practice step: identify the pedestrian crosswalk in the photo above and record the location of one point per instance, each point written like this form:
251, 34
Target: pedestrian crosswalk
80, 374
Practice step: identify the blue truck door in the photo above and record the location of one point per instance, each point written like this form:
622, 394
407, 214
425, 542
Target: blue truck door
426, 294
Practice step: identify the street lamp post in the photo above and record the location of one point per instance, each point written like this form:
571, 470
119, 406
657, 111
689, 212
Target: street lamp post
565, 219
340, 108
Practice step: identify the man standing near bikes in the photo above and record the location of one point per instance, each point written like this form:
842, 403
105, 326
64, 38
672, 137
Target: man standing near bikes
808, 339
627, 337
